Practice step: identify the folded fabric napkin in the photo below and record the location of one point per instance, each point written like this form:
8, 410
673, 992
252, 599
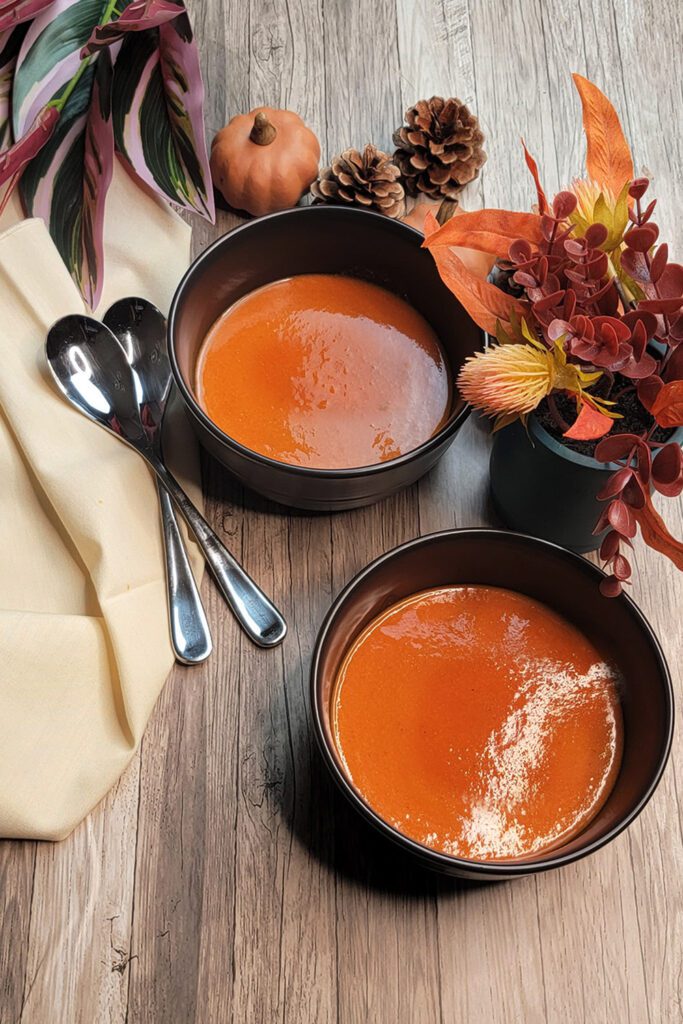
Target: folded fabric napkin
84, 641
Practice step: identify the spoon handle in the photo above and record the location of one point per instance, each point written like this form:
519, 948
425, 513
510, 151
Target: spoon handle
190, 633
259, 618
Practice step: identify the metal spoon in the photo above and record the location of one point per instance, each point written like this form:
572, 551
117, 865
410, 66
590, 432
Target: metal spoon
141, 330
90, 367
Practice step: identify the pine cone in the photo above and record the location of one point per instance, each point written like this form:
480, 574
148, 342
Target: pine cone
367, 179
439, 149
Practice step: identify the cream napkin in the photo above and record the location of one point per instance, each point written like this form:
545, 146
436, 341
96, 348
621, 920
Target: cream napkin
84, 643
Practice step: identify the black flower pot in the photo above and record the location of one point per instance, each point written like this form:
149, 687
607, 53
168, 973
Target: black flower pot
542, 487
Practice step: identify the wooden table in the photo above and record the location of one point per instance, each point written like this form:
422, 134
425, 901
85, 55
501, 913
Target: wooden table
223, 879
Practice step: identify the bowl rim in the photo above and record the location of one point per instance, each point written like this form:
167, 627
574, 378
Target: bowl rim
435, 858
448, 430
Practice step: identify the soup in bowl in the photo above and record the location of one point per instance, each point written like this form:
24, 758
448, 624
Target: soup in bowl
484, 707
316, 351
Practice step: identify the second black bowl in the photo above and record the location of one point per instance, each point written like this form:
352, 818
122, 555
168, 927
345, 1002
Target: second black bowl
316, 240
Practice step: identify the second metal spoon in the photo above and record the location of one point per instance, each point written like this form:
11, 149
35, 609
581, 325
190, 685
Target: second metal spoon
141, 330
90, 368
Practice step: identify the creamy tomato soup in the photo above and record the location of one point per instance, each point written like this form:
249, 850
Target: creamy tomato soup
324, 371
478, 722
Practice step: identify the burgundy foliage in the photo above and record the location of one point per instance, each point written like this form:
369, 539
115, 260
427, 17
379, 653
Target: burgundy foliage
629, 324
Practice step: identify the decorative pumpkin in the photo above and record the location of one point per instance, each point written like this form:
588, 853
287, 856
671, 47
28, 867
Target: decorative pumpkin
264, 161
479, 263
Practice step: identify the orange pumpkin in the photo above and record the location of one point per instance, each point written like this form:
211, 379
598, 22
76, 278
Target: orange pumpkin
264, 161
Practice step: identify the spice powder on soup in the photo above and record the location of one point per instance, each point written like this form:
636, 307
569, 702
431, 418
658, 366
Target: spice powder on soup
478, 722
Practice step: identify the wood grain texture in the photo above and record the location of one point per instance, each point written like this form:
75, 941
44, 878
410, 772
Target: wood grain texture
223, 879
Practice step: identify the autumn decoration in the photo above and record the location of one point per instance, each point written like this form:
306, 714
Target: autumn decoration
586, 312
84, 83
368, 178
264, 161
439, 150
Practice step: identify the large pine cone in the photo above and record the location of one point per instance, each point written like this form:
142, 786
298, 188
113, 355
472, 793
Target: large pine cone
439, 149
368, 179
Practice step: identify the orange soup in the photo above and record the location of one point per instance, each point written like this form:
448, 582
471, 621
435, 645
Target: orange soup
478, 722
325, 371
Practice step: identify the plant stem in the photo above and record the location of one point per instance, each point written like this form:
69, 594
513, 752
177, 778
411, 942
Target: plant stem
556, 414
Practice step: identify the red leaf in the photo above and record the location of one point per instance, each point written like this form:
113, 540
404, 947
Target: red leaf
615, 483
564, 205
485, 303
616, 447
638, 187
610, 546
633, 494
659, 261
533, 167
642, 238
621, 568
667, 465
489, 231
656, 535
667, 408
608, 159
674, 368
595, 235
589, 424
648, 390
620, 518
671, 282
661, 305
610, 587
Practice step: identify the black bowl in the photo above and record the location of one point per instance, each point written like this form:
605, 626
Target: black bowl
321, 240
564, 582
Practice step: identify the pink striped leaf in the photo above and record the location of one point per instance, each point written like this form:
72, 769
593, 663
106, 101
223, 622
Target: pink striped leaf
66, 183
158, 114
136, 17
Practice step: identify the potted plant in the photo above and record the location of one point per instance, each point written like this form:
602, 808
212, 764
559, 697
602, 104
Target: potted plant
584, 372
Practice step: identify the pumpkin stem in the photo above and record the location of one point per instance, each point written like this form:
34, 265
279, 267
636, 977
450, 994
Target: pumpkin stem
263, 132
446, 210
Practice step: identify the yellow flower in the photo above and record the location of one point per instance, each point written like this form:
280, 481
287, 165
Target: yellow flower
510, 381
596, 205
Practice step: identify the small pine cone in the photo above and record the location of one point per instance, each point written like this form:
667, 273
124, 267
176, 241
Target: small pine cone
439, 149
368, 179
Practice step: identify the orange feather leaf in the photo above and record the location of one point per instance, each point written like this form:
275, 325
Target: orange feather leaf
489, 231
608, 158
485, 303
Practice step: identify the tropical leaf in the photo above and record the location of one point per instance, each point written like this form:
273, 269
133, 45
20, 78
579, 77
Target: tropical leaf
485, 303
15, 159
158, 117
67, 181
14, 12
50, 57
10, 42
135, 17
608, 158
489, 231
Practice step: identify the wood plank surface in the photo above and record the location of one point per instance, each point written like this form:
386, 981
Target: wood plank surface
223, 879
